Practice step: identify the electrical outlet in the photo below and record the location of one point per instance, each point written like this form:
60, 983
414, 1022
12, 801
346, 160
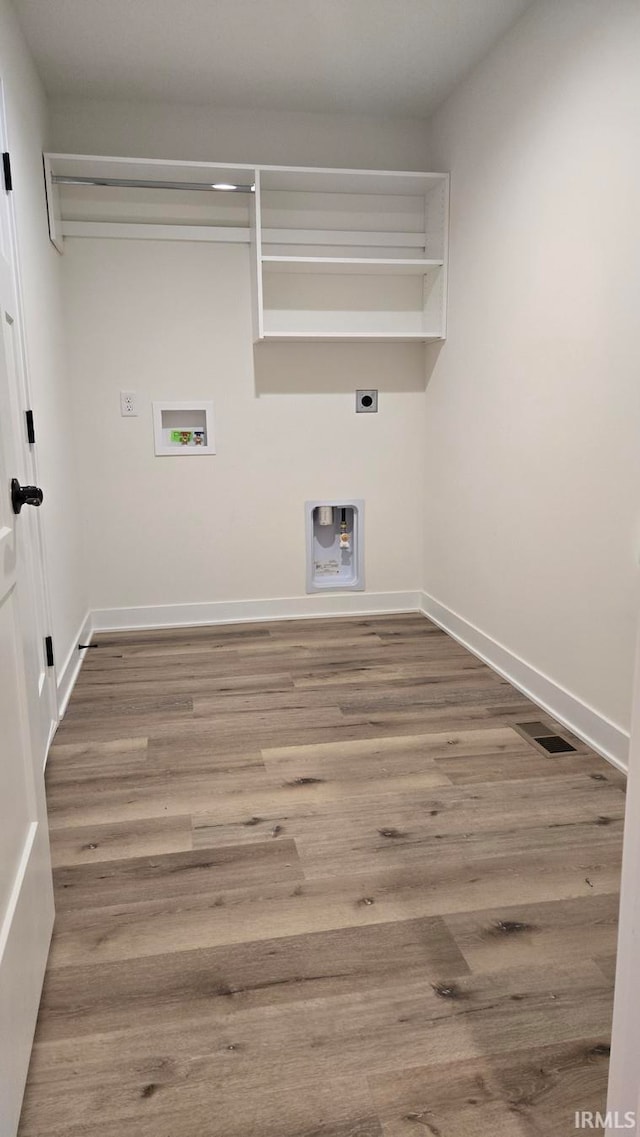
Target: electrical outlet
366, 402
128, 404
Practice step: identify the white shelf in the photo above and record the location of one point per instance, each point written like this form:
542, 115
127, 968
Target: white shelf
343, 237
363, 266
338, 337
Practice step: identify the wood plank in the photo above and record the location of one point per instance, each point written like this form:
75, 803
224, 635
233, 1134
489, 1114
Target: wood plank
403, 754
339, 1108
532, 1092
372, 672
557, 930
79, 844
467, 770
127, 704
153, 793
145, 681
95, 998
170, 875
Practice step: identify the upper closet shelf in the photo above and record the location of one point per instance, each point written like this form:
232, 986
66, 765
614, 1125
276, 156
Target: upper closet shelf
342, 254
92, 196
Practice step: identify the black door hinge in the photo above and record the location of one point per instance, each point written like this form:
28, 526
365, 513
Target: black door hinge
31, 430
48, 648
6, 169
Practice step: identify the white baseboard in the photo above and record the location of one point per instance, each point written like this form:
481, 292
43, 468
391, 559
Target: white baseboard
250, 611
604, 736
68, 673
55, 723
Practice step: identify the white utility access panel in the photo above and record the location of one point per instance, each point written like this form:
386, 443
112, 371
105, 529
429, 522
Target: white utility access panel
182, 429
335, 549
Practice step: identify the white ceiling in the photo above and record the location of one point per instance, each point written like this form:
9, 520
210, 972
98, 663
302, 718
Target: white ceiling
389, 57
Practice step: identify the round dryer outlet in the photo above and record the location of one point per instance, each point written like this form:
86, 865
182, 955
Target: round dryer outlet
366, 402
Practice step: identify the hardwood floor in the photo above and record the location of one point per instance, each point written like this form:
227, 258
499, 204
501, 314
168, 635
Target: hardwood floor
311, 882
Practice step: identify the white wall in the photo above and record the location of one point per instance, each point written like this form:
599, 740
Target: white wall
40, 264
203, 133
532, 441
171, 320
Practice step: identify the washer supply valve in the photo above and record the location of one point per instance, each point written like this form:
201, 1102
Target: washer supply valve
325, 515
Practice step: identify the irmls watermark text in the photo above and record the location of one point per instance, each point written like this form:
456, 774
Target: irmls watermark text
585, 1119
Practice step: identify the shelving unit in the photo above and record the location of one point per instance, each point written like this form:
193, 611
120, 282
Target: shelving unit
335, 254
349, 254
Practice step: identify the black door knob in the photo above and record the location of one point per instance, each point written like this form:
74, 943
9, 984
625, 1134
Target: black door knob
24, 495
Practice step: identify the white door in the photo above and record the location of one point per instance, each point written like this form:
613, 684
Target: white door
26, 897
35, 620
35, 615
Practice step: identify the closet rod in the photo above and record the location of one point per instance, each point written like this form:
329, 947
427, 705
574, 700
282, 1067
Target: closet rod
137, 183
